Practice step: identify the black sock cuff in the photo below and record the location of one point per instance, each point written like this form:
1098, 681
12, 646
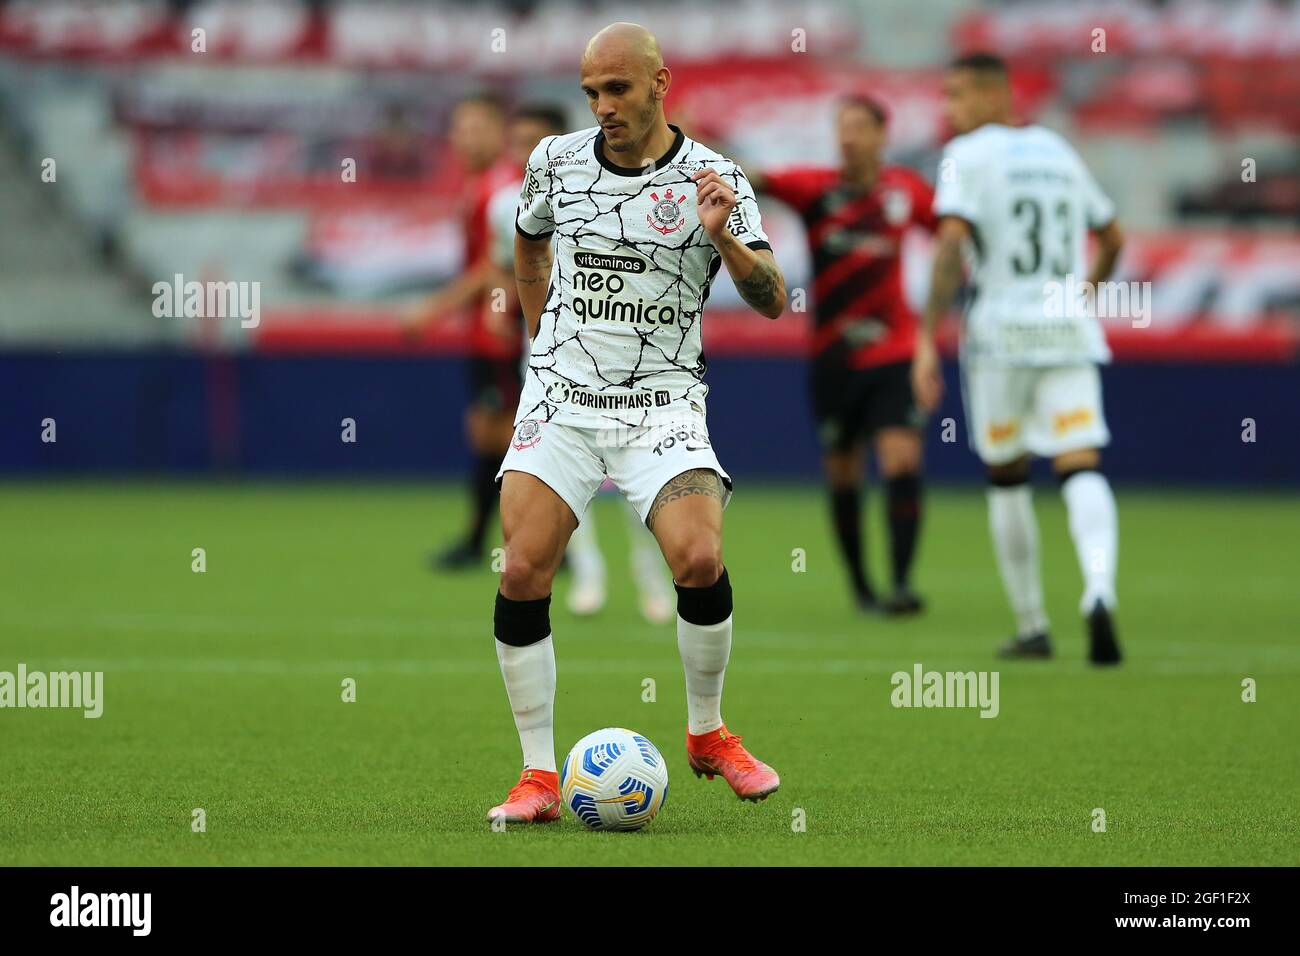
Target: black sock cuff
705, 606
1064, 476
1015, 482
520, 623
904, 484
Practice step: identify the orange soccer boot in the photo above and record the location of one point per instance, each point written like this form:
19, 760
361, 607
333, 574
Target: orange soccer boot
719, 753
534, 799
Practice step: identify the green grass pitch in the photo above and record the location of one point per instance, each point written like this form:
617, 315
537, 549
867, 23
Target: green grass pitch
223, 689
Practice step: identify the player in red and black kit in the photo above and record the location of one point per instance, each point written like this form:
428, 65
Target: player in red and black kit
856, 217
478, 125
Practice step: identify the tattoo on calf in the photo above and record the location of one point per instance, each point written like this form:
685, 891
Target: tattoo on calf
697, 481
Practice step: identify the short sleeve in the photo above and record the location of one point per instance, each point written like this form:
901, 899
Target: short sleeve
956, 191
745, 222
534, 219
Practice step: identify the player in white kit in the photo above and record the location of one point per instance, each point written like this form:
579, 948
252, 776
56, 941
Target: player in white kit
1018, 203
528, 126
621, 229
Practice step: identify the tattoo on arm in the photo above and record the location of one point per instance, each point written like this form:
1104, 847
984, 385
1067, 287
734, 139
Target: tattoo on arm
760, 286
534, 269
697, 481
945, 280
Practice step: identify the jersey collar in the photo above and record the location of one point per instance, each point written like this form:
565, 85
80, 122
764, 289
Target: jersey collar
660, 163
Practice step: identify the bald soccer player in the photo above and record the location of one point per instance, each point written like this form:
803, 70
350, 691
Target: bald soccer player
587, 593
621, 228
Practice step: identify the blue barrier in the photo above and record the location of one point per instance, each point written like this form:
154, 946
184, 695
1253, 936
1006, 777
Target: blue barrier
261, 415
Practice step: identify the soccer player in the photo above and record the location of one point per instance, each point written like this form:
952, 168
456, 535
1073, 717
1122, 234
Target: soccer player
1019, 202
621, 229
587, 594
478, 137
856, 217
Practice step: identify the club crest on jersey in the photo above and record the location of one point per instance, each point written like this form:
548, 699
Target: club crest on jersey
896, 206
528, 434
666, 216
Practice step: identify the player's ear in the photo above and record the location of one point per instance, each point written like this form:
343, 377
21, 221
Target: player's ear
663, 80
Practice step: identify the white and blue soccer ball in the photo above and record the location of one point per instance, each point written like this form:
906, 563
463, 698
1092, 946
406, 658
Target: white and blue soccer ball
614, 779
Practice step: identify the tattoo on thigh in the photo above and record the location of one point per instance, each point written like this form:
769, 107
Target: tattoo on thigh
697, 481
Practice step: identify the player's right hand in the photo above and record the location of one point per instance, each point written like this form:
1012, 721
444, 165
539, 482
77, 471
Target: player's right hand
927, 374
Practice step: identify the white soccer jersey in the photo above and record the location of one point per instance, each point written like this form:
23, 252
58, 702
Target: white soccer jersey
502, 206
619, 339
1030, 202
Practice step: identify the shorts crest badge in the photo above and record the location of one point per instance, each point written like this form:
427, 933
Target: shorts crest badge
528, 434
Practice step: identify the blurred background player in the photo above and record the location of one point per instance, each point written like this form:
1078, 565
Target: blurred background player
478, 125
587, 592
1021, 202
856, 217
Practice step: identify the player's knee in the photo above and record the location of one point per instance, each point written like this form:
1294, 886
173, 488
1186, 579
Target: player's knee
523, 577
843, 469
900, 462
697, 564
1084, 459
898, 451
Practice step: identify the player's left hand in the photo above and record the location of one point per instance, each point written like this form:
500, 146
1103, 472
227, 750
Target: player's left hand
927, 374
714, 200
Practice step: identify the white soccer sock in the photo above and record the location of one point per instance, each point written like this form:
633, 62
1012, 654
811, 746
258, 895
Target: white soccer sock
1015, 542
584, 550
1095, 529
529, 673
705, 649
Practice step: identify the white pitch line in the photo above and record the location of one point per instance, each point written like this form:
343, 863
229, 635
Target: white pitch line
638, 632
572, 665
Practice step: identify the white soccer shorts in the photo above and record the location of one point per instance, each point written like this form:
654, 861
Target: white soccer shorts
1045, 411
573, 461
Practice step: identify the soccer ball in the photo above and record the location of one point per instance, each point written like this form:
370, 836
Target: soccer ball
614, 779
